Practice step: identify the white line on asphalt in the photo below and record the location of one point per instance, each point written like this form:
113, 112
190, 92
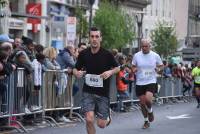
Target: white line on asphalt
183, 116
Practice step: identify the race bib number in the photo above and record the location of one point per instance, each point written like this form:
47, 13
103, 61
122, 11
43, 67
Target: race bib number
93, 80
147, 73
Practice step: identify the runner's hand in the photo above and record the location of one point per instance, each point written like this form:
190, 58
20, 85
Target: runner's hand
79, 74
106, 74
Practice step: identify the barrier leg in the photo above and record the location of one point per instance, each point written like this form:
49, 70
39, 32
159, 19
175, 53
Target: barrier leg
78, 115
22, 129
21, 126
52, 120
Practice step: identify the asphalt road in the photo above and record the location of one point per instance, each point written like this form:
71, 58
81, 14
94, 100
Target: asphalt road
179, 118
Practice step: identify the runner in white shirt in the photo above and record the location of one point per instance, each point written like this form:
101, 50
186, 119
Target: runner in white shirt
146, 63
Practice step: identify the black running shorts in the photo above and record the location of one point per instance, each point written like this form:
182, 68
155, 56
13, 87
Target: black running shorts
142, 89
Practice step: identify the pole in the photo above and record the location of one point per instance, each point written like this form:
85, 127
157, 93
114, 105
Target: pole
91, 3
139, 23
90, 19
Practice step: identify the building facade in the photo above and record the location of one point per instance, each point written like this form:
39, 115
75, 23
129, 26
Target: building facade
158, 10
192, 50
41, 20
134, 8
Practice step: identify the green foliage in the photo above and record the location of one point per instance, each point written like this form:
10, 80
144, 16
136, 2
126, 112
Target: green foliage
164, 39
82, 24
115, 25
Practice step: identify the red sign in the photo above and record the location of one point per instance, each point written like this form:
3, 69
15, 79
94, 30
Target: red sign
34, 9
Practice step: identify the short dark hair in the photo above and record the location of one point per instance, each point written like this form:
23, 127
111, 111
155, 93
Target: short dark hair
39, 56
39, 48
3, 55
94, 29
81, 44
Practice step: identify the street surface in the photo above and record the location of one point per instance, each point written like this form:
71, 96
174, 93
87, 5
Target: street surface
178, 118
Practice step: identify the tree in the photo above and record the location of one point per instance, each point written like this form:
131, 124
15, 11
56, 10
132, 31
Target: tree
116, 26
82, 24
164, 39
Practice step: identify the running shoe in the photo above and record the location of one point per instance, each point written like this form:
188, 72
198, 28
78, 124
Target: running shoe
146, 125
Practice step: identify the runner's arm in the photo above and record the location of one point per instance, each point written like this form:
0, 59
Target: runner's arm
107, 74
78, 73
134, 68
159, 68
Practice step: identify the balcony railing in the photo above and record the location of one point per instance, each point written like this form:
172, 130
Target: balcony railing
73, 3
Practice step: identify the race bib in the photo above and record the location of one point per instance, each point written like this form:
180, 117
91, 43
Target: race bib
147, 73
93, 80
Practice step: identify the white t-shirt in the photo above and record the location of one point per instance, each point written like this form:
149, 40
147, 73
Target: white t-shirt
146, 65
37, 72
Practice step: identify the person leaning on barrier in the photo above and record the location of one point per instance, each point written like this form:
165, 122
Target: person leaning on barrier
98, 65
29, 47
196, 77
6, 46
6, 68
146, 64
50, 62
65, 58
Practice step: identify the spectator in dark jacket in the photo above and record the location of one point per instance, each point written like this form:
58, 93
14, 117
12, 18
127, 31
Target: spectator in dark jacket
21, 62
65, 57
29, 47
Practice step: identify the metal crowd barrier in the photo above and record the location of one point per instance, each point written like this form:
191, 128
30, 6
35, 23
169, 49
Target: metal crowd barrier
170, 88
59, 91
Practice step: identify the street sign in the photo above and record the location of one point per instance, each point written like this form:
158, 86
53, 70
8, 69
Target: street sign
34, 9
71, 30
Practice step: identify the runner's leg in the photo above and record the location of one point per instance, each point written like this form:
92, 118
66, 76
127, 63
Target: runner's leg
90, 122
149, 98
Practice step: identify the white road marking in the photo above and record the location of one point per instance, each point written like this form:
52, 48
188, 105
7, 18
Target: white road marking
183, 116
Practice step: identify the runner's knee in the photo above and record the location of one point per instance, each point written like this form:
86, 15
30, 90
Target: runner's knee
89, 119
101, 123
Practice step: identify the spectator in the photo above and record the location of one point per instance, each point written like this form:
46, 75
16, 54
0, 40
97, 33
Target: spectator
187, 81
39, 48
115, 53
131, 76
122, 84
175, 71
5, 70
166, 71
17, 43
82, 46
50, 58
21, 60
29, 47
37, 66
6, 46
75, 54
65, 58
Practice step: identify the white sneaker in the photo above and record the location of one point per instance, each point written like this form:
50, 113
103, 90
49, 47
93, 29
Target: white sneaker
35, 108
66, 120
27, 111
